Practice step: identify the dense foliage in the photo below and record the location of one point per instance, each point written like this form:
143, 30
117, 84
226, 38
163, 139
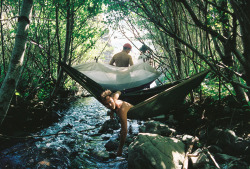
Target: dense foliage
184, 37
59, 31
189, 36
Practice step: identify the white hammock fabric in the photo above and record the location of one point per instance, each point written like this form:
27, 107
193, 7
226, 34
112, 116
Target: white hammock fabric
118, 78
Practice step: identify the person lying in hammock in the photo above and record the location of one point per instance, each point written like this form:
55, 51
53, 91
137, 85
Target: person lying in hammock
121, 108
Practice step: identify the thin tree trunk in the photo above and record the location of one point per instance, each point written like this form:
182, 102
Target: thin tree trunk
48, 51
66, 51
242, 12
16, 63
176, 43
58, 37
2, 40
227, 58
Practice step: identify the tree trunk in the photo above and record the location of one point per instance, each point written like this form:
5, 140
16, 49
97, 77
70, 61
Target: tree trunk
49, 71
16, 63
242, 12
176, 42
66, 50
2, 40
58, 37
227, 58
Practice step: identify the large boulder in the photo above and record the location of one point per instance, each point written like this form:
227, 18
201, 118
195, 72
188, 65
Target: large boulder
228, 141
109, 125
111, 145
153, 151
222, 138
156, 128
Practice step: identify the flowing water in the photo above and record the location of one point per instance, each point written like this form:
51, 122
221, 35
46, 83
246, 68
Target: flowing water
73, 142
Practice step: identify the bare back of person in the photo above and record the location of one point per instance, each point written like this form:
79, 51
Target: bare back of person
122, 59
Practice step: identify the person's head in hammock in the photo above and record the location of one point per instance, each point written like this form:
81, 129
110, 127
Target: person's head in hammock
121, 108
107, 98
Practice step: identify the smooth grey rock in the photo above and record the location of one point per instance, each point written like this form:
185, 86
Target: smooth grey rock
187, 139
222, 137
111, 145
109, 125
225, 139
152, 151
201, 161
156, 128
241, 146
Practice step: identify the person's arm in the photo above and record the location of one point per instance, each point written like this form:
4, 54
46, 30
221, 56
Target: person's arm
130, 61
112, 61
123, 119
116, 95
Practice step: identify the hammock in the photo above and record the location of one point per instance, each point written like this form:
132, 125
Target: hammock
119, 78
134, 95
167, 100
148, 102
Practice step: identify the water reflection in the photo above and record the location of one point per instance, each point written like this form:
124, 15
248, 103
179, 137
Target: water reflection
73, 142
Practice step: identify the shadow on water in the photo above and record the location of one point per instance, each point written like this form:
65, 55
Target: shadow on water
73, 142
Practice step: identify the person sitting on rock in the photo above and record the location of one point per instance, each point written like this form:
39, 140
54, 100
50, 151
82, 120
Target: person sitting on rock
121, 108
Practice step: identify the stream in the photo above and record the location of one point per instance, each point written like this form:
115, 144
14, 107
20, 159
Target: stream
73, 142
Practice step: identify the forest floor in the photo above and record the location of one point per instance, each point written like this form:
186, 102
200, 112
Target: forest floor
209, 113
196, 119
223, 128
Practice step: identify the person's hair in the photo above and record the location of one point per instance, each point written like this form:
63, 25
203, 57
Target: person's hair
144, 48
105, 94
127, 46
